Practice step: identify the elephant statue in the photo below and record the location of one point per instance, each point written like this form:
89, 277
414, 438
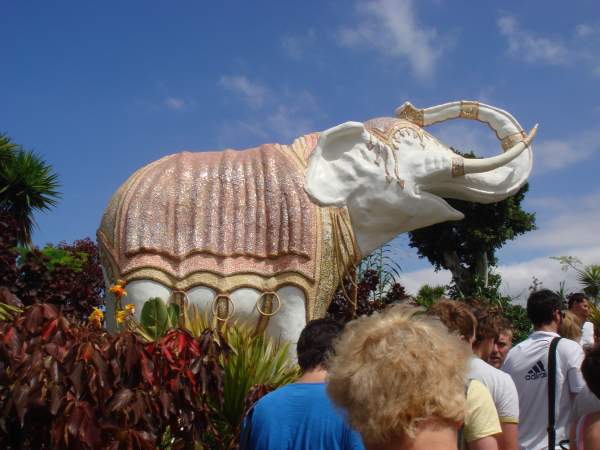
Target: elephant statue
265, 234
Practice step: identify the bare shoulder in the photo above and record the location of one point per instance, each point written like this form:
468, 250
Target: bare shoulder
591, 434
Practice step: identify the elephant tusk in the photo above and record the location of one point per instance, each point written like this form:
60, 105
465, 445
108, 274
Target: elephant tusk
487, 164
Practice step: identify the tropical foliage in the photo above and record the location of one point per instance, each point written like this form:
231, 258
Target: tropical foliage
67, 275
377, 286
66, 386
27, 184
428, 295
255, 364
587, 275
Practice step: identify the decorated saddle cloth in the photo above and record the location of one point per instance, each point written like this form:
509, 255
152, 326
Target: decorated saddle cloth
222, 213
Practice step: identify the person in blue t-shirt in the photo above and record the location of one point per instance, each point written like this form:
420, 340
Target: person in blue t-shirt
300, 416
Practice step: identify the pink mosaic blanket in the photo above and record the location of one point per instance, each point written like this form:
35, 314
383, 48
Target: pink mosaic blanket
227, 212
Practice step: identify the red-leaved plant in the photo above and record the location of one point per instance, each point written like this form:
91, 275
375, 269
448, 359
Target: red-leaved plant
33, 278
74, 386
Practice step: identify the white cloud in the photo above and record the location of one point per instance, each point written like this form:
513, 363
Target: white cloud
573, 222
253, 93
517, 277
278, 115
531, 48
296, 46
175, 103
584, 31
392, 28
412, 281
553, 154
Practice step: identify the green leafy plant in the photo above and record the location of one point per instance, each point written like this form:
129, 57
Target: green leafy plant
256, 359
58, 256
428, 295
8, 312
66, 275
157, 318
387, 270
256, 364
377, 285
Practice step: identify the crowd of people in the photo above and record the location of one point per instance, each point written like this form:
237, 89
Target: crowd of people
445, 378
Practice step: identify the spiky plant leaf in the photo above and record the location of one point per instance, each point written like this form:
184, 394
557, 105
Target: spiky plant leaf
27, 184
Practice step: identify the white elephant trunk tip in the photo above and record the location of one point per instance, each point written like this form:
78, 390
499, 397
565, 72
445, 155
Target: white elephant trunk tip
471, 166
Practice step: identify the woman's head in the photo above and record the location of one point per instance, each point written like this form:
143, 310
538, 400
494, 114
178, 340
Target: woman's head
394, 370
570, 327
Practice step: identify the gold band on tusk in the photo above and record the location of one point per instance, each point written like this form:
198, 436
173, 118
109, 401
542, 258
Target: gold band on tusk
512, 139
469, 110
458, 167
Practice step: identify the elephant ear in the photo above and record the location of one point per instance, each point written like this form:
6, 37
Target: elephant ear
334, 166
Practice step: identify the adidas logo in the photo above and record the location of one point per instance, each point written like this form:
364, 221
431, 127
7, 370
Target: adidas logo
536, 372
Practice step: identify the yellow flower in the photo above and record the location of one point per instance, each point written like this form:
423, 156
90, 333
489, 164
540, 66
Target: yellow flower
118, 290
121, 316
96, 317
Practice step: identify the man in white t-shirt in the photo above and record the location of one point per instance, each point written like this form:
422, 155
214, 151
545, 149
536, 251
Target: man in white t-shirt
580, 306
500, 384
527, 364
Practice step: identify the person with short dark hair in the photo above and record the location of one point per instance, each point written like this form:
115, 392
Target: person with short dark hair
527, 364
502, 344
300, 415
579, 305
585, 429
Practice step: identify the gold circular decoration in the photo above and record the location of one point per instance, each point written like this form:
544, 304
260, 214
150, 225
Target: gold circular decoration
274, 294
215, 306
186, 299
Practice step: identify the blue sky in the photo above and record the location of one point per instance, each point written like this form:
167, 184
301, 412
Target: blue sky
100, 89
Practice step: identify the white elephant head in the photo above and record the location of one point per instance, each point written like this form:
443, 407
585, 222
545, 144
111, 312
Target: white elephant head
393, 176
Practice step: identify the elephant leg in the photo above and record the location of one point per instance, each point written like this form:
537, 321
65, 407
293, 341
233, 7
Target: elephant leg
290, 320
286, 324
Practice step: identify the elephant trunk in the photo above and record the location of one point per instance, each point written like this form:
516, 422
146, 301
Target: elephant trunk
487, 179
487, 164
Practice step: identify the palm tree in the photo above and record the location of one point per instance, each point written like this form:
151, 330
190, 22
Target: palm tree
589, 277
27, 184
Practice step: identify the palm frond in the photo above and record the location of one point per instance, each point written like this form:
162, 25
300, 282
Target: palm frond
27, 184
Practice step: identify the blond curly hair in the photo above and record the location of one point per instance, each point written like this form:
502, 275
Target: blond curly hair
395, 369
570, 327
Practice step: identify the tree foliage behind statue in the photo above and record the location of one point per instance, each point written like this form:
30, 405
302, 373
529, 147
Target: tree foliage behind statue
377, 287
467, 248
66, 275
